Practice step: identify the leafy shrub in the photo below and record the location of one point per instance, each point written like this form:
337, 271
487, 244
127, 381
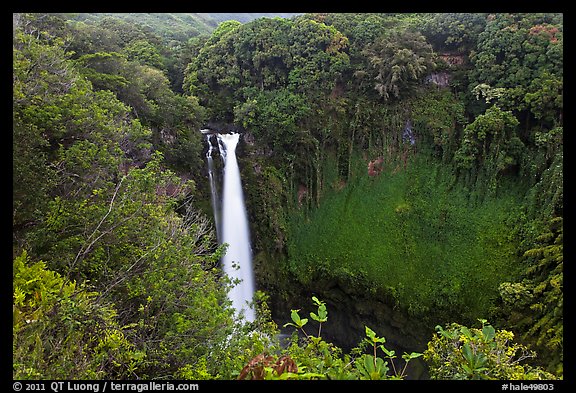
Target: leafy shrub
61, 330
459, 352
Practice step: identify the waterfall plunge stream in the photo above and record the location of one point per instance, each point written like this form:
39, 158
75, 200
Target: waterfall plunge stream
232, 225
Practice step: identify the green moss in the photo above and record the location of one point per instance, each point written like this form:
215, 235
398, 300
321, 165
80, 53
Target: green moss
415, 233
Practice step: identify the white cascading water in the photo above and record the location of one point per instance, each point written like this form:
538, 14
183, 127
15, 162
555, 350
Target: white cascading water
213, 187
234, 230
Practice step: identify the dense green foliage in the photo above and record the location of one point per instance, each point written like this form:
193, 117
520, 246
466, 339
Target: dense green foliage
64, 329
174, 28
538, 295
416, 156
458, 352
414, 233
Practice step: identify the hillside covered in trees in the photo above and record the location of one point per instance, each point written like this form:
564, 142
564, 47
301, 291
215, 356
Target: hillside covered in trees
403, 176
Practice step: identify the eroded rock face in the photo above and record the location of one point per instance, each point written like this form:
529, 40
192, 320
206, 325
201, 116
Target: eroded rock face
441, 79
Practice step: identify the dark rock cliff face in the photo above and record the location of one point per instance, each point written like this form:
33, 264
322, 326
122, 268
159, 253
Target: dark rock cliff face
351, 307
224, 128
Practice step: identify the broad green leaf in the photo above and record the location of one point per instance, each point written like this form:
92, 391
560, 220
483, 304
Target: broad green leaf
370, 333
295, 317
409, 356
466, 332
369, 363
467, 353
489, 333
388, 353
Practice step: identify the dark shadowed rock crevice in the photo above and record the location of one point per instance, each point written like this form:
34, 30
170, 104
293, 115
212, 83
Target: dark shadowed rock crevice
351, 307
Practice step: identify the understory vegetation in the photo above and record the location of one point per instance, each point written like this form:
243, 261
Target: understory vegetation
415, 157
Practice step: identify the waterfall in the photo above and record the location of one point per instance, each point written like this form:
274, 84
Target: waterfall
232, 226
213, 186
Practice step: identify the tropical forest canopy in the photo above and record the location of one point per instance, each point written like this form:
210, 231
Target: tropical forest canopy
413, 161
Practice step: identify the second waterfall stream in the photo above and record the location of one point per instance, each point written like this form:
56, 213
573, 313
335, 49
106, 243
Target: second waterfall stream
232, 226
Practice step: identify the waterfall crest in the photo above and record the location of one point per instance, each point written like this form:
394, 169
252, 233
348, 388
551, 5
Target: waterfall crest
232, 226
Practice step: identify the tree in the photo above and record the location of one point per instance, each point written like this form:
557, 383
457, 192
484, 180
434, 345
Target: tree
516, 49
399, 60
53, 108
489, 147
453, 32
320, 58
145, 53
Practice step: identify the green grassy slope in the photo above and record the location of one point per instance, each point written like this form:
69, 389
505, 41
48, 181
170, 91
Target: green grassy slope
414, 233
